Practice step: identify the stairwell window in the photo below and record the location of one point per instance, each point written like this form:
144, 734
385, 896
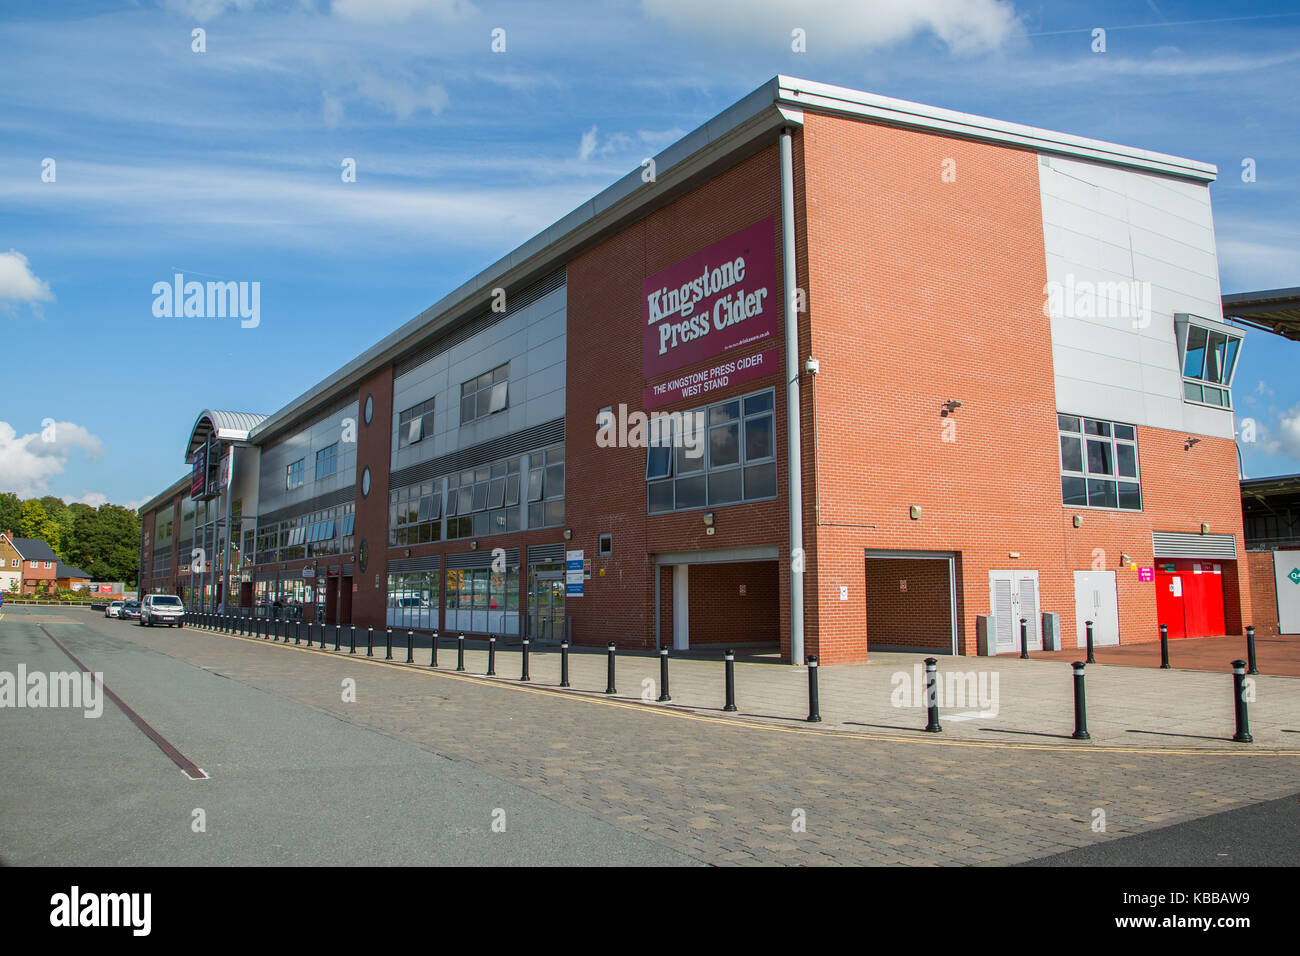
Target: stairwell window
1099, 464
1209, 362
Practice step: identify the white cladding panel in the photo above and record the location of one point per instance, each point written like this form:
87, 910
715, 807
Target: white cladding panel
1105, 229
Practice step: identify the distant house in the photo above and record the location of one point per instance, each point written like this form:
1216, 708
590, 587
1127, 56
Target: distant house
37, 563
11, 562
70, 577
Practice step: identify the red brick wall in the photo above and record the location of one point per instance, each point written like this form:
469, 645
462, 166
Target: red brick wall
720, 614
606, 486
922, 290
920, 616
1263, 592
374, 443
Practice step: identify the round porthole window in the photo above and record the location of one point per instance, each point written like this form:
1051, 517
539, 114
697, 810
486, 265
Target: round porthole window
370, 408
365, 482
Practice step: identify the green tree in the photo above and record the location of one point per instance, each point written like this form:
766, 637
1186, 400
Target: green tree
11, 512
107, 543
36, 523
58, 513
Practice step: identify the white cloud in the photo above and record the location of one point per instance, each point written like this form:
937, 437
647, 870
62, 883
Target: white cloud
588, 145
395, 11
965, 26
29, 462
18, 283
204, 10
401, 99
92, 498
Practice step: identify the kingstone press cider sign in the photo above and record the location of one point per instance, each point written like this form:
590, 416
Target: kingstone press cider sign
721, 298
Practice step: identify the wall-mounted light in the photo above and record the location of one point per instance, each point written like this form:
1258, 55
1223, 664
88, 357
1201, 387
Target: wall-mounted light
1189, 442
1123, 560
812, 366
568, 534
473, 545
948, 407
708, 519
1078, 521
1205, 528
914, 512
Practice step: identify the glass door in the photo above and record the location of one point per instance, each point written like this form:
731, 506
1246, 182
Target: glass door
546, 606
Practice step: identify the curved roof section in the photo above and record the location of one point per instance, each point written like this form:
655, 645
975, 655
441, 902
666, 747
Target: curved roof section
225, 426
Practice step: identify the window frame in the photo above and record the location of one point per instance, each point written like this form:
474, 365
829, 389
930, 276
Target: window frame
422, 413
1085, 473
1233, 342
483, 390
301, 466
329, 453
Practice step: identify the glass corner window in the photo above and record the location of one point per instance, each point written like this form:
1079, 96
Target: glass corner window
1209, 358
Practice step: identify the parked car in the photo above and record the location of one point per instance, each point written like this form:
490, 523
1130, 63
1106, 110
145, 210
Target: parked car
162, 609
130, 611
114, 609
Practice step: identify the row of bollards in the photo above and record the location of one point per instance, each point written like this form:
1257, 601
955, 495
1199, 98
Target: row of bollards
277, 630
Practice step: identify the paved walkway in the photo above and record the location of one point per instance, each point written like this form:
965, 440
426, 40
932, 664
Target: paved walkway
1279, 656
1005, 699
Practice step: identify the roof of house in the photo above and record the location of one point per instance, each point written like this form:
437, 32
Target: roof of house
34, 549
70, 571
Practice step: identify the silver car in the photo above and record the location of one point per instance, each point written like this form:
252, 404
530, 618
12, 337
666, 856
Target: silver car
162, 609
113, 610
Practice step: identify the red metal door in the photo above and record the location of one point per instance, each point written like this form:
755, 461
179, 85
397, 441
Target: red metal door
1170, 598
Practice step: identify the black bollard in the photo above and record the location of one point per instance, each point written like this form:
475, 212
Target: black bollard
388, 643
410, 647
370, 642
1024, 638
1164, 647
433, 652
609, 683
352, 638
1250, 649
932, 687
814, 701
523, 676
1091, 659
730, 660
564, 664
297, 632
1080, 704
663, 675
338, 630
460, 651
1242, 736
492, 655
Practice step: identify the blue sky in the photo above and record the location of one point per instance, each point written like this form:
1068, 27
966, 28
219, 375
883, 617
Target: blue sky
226, 165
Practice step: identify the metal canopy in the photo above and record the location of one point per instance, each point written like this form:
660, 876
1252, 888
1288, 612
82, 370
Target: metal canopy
225, 426
1275, 310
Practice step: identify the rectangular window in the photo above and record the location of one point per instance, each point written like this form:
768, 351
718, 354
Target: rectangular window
1209, 361
415, 424
1099, 464
722, 454
293, 475
485, 395
327, 461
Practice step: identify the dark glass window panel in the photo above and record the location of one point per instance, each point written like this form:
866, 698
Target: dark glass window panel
499, 374
466, 503
658, 463
498, 521
690, 458
690, 492
535, 485
1194, 360
480, 496
481, 523
512, 489
452, 499
426, 509
1213, 396
555, 481
555, 511
1214, 357
485, 380
1230, 360
1074, 491
498, 470
1071, 454
1126, 461
466, 478
496, 493
1100, 458
724, 445
435, 507
1130, 495
758, 403
660, 496
758, 438
1192, 391
497, 401
512, 519
468, 388
553, 455
1067, 423
760, 481
482, 474
468, 407
535, 515
724, 412
1125, 432
1096, 428
1101, 494
724, 486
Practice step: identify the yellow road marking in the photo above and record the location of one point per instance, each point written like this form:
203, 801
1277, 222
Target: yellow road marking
647, 708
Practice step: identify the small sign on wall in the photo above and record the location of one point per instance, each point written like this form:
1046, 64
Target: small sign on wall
902, 584
1146, 574
844, 592
742, 590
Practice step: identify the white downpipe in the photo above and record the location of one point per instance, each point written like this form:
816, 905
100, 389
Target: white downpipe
794, 440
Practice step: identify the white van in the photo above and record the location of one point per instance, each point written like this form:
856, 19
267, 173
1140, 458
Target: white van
162, 609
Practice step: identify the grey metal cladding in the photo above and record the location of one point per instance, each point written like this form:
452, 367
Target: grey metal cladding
444, 341
333, 499
430, 562
545, 553
516, 443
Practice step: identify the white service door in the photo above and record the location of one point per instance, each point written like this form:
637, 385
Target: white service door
1095, 600
1286, 571
1013, 595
